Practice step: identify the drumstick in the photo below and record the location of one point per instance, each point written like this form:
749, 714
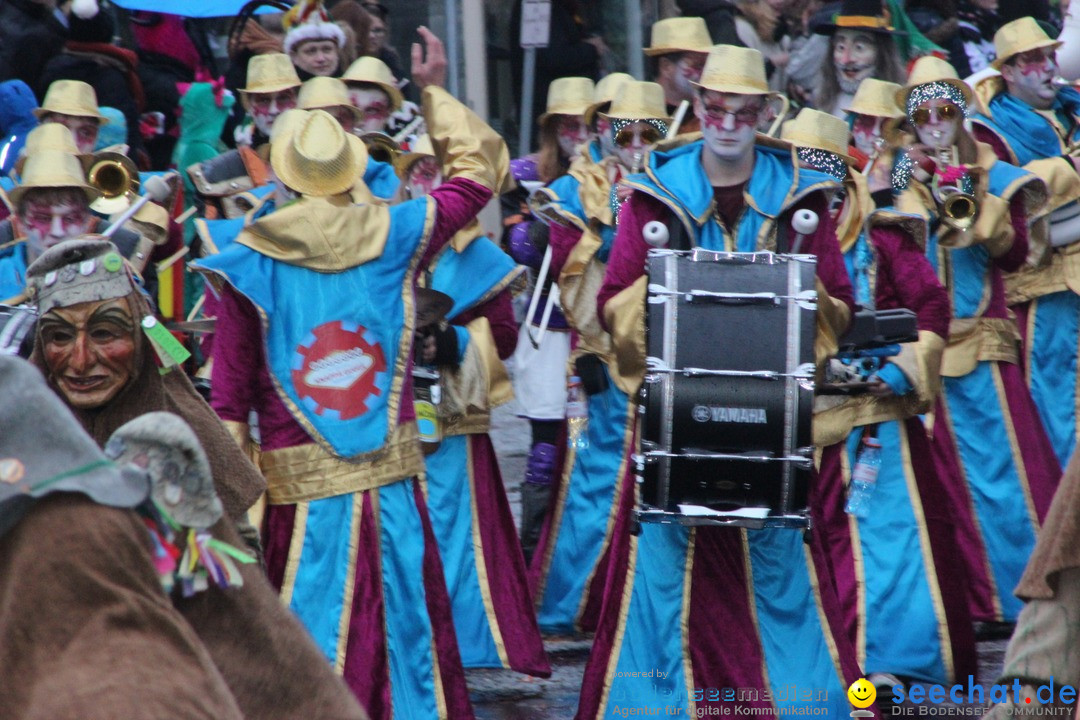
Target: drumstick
804, 222
541, 277
676, 122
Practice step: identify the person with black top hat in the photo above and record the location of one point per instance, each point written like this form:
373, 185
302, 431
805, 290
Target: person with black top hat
861, 45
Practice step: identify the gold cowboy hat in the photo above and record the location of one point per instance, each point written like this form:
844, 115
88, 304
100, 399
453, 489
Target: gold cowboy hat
54, 137
679, 34
930, 69
320, 93
270, 73
877, 98
70, 97
638, 101
317, 157
737, 70
820, 130
53, 169
375, 72
604, 92
1019, 36
422, 148
567, 96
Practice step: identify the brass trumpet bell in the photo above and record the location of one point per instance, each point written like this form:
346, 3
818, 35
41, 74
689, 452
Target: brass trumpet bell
381, 147
959, 208
116, 177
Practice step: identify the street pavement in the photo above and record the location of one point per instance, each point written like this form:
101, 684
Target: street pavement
506, 695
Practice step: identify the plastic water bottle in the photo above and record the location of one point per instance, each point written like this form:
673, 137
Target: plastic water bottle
577, 414
864, 477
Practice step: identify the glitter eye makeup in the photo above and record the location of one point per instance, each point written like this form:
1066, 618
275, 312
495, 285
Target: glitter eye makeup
935, 91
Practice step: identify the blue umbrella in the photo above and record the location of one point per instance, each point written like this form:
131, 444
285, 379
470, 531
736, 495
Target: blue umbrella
190, 8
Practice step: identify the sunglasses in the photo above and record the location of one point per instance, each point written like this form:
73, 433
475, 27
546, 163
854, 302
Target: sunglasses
744, 116
649, 136
945, 113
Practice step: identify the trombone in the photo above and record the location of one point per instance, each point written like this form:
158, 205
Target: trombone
116, 177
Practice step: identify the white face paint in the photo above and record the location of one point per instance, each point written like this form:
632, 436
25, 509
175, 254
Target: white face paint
571, 133
688, 71
865, 132
424, 176
939, 132
265, 107
855, 56
283, 195
47, 224
375, 106
729, 123
1029, 76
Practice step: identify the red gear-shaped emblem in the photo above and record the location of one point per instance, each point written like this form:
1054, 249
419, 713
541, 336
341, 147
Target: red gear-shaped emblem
337, 369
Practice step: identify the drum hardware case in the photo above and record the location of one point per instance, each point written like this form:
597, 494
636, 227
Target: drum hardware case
758, 349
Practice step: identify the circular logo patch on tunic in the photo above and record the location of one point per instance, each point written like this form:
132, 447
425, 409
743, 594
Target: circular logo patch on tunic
337, 369
11, 470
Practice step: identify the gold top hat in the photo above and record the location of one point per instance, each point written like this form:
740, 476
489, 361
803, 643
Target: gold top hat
317, 157
52, 169
821, 130
737, 70
270, 73
70, 97
604, 92
930, 69
877, 98
1020, 36
568, 96
422, 148
326, 92
373, 70
679, 34
639, 101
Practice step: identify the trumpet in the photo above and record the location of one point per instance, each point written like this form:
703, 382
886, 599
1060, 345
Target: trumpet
381, 146
958, 208
116, 177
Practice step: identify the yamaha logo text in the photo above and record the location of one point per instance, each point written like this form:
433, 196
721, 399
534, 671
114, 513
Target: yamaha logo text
743, 416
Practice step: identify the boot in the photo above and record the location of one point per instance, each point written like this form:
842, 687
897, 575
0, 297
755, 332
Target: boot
536, 494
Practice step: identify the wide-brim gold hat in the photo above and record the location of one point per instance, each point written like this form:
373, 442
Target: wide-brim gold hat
374, 71
70, 97
316, 157
679, 34
1019, 36
931, 69
604, 92
735, 70
270, 73
876, 98
638, 101
568, 96
51, 137
52, 169
321, 93
421, 149
820, 130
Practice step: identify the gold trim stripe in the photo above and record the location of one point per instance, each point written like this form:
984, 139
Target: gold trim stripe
350, 582
1014, 446
620, 633
481, 562
928, 557
748, 568
296, 546
684, 622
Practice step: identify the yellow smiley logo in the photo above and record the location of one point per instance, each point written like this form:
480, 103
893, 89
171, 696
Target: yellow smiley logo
862, 693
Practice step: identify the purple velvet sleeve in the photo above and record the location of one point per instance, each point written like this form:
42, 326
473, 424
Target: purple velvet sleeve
458, 200
830, 261
563, 239
906, 279
629, 251
240, 378
499, 311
